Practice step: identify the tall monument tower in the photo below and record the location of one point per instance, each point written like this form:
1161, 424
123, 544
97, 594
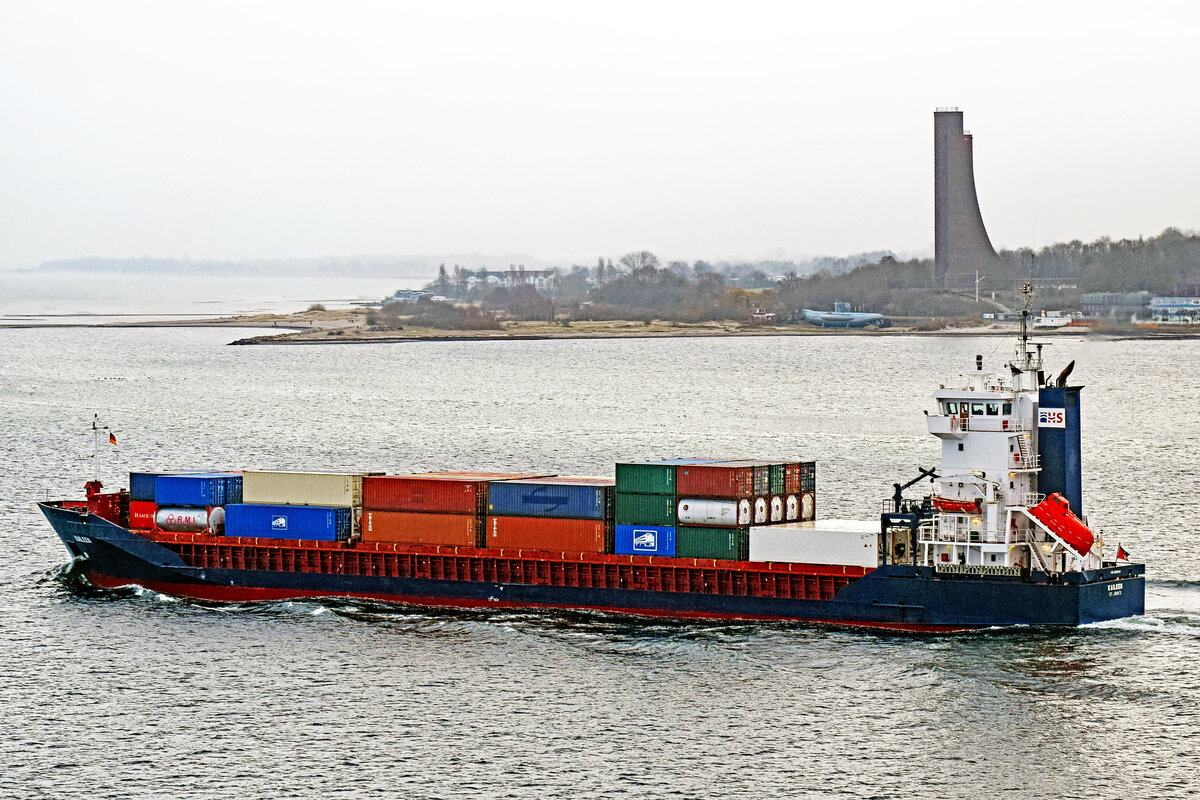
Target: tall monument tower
960, 241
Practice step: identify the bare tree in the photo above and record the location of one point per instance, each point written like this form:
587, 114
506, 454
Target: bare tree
640, 259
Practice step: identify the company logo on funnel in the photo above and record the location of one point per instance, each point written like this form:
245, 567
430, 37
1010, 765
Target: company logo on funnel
279, 523
645, 540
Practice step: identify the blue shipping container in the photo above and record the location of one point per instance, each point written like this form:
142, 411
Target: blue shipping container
199, 489
550, 499
644, 540
141, 484
309, 523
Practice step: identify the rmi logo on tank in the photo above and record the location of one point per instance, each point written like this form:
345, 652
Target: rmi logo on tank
1052, 418
279, 523
645, 540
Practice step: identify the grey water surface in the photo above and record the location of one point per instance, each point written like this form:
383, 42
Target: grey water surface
118, 694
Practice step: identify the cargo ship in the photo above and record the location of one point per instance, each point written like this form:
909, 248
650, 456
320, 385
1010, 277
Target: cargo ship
999, 539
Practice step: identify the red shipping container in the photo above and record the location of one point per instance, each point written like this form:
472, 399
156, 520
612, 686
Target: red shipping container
722, 481
443, 493
791, 478
141, 514
548, 533
452, 530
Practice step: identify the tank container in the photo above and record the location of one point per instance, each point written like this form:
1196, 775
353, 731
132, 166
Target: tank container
310, 523
645, 509
714, 513
576, 498
645, 540
190, 520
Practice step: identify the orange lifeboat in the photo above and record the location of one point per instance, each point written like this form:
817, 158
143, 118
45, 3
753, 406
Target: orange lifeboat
1055, 513
957, 506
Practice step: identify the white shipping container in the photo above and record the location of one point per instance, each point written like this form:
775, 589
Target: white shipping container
840, 542
302, 488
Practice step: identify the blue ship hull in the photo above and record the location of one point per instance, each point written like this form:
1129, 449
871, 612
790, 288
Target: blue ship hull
891, 597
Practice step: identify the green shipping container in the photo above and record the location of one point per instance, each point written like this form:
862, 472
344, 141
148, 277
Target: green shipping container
729, 544
645, 509
645, 479
777, 479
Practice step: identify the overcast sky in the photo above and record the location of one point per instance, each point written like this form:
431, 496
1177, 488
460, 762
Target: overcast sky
572, 130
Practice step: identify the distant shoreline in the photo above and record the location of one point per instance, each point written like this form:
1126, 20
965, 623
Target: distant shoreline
345, 326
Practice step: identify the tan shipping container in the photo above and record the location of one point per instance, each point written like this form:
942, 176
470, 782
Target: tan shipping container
302, 488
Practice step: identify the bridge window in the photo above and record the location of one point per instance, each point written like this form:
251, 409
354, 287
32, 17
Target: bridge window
1007, 410
993, 409
951, 408
976, 409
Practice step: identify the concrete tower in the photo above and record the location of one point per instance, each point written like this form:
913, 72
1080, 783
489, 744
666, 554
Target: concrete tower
960, 241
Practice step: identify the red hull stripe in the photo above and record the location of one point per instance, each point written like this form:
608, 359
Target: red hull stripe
249, 594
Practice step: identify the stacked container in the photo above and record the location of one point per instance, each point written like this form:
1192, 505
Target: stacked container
192, 502
646, 496
443, 508
559, 513
307, 506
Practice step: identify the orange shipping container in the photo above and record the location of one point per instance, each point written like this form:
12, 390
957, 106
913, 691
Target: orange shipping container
452, 530
548, 533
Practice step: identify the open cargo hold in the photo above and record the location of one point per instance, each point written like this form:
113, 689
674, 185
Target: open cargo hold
644, 540
200, 489
309, 523
545, 533
850, 543
645, 509
729, 544
273, 487
406, 527
562, 497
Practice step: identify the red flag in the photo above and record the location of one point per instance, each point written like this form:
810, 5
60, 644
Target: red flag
1121, 554
111, 439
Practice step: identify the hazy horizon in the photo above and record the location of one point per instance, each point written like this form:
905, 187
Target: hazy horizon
777, 132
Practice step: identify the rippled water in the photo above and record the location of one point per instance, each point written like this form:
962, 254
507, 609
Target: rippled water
132, 694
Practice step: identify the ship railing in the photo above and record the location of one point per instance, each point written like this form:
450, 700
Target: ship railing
1026, 462
1025, 499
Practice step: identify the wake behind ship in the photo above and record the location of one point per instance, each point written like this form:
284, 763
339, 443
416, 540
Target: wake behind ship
1000, 540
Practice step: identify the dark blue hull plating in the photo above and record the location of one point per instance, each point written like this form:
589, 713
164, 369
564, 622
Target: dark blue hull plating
893, 597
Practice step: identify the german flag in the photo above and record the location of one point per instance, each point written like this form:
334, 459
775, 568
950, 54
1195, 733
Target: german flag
111, 438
